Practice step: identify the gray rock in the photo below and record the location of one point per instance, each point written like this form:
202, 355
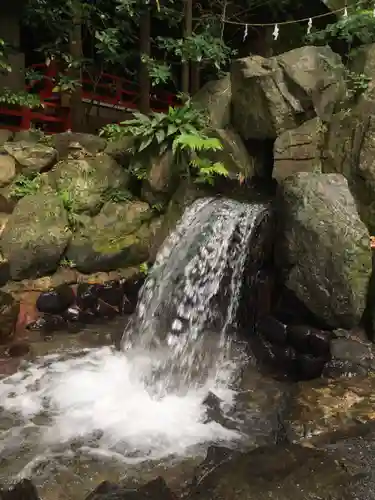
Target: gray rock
323, 248
31, 158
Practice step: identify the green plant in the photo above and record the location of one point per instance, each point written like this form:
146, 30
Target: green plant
19, 98
158, 207
144, 268
181, 130
68, 202
117, 195
67, 263
25, 185
357, 83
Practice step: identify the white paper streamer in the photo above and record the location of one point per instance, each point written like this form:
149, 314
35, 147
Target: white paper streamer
276, 32
309, 26
245, 32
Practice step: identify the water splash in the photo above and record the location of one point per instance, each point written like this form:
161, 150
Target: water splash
144, 402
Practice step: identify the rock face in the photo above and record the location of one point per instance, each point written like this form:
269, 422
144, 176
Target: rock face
323, 247
35, 236
117, 237
9, 310
270, 96
86, 182
299, 150
31, 157
7, 169
215, 97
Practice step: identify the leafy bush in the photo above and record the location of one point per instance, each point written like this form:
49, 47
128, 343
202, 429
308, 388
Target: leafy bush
25, 185
358, 28
181, 130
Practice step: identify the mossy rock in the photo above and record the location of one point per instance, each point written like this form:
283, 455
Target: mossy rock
119, 236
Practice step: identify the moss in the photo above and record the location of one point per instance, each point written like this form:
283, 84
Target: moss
115, 245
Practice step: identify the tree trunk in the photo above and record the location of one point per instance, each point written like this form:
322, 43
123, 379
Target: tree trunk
188, 30
195, 77
77, 108
145, 50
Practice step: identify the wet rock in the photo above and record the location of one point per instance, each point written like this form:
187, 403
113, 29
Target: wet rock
75, 315
272, 330
131, 290
264, 290
35, 236
56, 301
317, 211
87, 297
308, 367
324, 406
156, 489
280, 472
18, 350
24, 490
351, 355
212, 404
32, 158
9, 311
111, 293
309, 340
48, 324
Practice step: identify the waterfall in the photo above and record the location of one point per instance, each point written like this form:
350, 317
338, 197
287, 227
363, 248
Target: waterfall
144, 402
189, 302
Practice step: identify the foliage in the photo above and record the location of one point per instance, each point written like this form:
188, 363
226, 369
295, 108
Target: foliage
358, 27
25, 185
4, 65
19, 98
117, 195
181, 130
144, 268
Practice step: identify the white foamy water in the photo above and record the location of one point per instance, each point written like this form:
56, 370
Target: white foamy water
145, 402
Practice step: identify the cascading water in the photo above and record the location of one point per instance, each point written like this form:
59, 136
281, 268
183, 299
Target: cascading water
144, 402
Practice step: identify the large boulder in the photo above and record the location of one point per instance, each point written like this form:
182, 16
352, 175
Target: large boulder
31, 158
215, 98
272, 95
35, 236
86, 182
350, 150
119, 236
7, 169
323, 247
299, 150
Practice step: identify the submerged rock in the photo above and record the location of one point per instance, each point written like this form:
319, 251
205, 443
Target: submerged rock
24, 490
281, 472
323, 249
156, 489
324, 406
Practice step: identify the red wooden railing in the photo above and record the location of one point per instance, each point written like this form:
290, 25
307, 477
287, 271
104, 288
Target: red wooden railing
104, 90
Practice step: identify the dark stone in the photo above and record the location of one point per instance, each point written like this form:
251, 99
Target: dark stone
156, 489
309, 340
87, 296
290, 310
350, 356
212, 406
281, 358
264, 292
309, 367
9, 311
131, 290
24, 490
48, 324
75, 315
110, 299
272, 330
56, 301
18, 349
